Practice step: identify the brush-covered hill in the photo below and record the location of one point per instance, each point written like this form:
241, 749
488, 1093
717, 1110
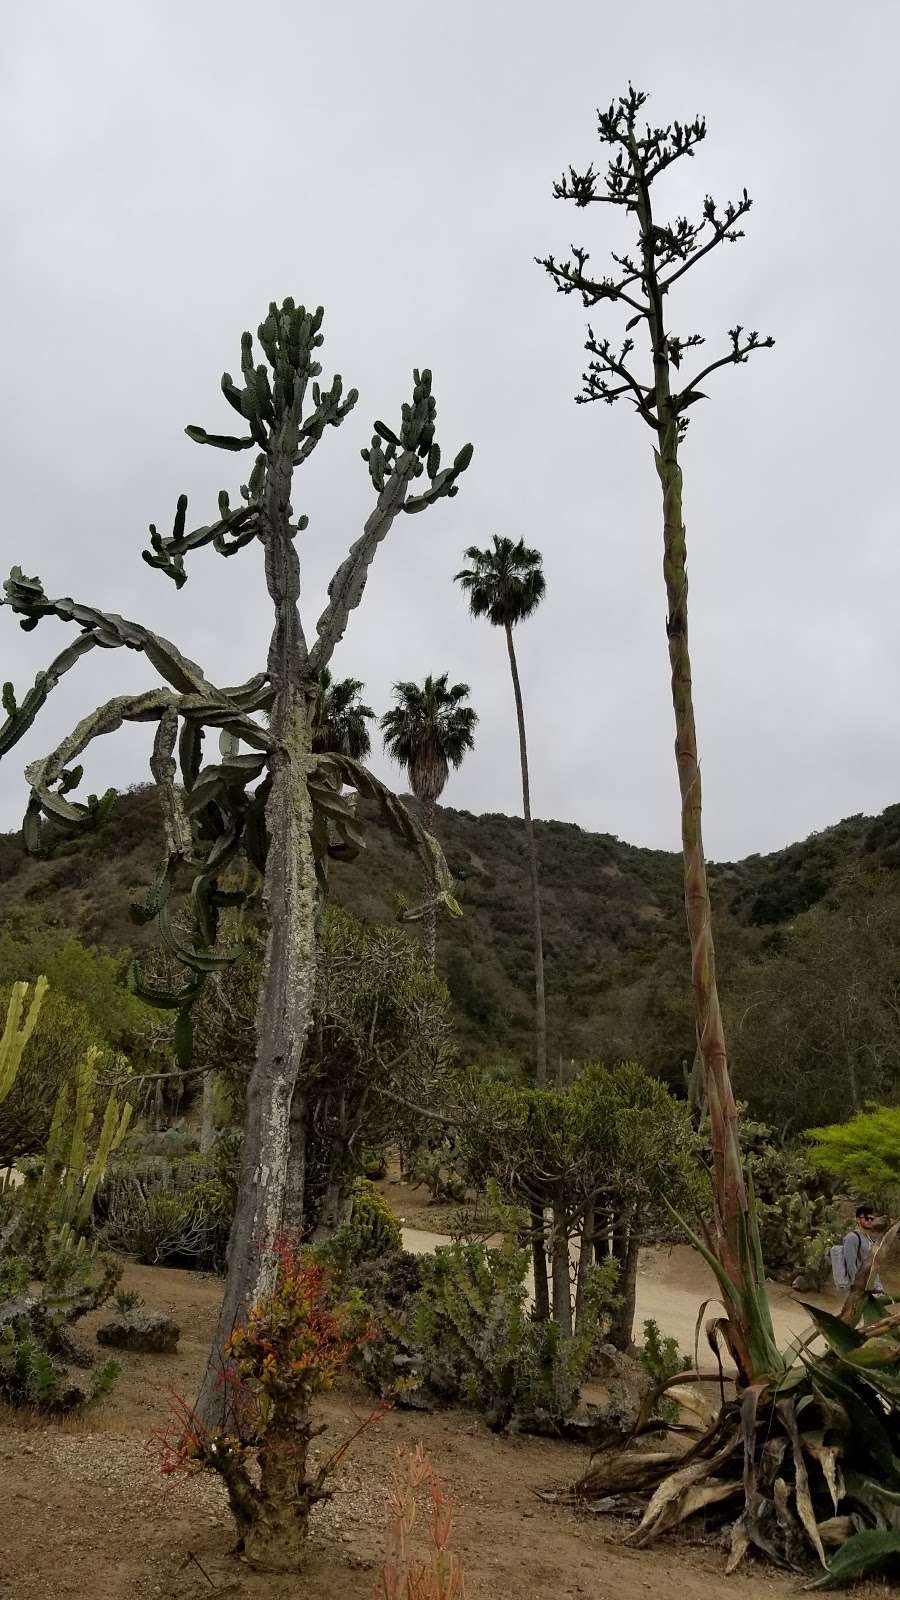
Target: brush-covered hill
789, 928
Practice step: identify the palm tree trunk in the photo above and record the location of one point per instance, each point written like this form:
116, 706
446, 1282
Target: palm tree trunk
729, 1189
429, 920
540, 1001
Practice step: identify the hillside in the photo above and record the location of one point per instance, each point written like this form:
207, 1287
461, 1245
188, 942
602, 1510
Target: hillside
615, 943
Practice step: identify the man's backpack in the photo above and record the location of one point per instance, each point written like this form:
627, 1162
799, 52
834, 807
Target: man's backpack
839, 1270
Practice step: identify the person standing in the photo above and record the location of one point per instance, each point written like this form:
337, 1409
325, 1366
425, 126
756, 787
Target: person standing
858, 1246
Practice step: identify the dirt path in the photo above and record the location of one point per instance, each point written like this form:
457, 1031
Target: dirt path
86, 1513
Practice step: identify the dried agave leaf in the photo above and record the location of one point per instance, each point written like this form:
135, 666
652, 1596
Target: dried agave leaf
828, 1457
805, 1510
740, 1544
836, 1531
710, 1493
692, 1400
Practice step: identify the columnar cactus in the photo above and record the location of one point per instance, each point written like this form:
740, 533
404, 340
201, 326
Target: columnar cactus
69, 1178
16, 1032
268, 796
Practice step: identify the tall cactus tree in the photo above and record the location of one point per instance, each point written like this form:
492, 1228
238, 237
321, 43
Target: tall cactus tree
506, 584
269, 796
642, 284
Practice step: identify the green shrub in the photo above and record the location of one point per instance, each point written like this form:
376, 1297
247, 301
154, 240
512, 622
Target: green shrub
661, 1359
374, 1165
434, 1166
37, 1351
166, 1213
385, 1288
373, 1227
479, 1344
798, 1219
863, 1154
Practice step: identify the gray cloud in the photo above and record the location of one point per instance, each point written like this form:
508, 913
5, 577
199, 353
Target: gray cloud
169, 169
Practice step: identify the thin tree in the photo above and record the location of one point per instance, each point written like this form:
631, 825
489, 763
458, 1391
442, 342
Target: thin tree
642, 284
295, 818
428, 731
341, 717
506, 584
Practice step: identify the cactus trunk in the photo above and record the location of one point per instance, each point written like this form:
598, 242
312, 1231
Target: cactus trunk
286, 993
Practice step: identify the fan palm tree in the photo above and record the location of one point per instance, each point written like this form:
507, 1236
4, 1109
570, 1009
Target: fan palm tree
506, 584
340, 717
429, 731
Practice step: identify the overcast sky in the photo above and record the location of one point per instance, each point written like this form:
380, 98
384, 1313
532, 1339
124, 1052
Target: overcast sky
170, 168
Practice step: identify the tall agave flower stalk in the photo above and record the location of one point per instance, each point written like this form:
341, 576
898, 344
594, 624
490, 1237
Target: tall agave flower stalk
806, 1460
642, 285
271, 797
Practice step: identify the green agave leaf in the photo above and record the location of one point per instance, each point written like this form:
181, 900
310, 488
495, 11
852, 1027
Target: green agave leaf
880, 1351
839, 1335
871, 1310
729, 1289
867, 1423
754, 1305
864, 1554
883, 1504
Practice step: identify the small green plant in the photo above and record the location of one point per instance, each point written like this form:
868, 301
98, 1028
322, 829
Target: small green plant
147, 1217
18, 1029
374, 1165
374, 1229
126, 1300
37, 1351
661, 1359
